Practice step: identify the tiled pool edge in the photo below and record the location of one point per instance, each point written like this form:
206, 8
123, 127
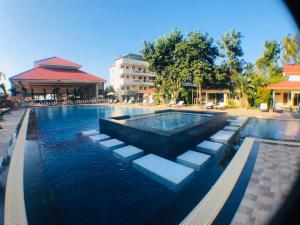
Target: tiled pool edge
209, 207
14, 206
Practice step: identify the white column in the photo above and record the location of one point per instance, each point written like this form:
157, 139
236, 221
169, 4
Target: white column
225, 98
273, 96
97, 90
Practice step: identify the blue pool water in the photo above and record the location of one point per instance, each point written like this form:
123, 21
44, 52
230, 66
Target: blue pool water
90, 186
272, 129
169, 120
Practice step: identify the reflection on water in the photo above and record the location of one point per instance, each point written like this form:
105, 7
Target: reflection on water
272, 129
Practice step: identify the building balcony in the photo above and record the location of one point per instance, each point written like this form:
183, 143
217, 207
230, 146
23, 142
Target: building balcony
133, 62
136, 73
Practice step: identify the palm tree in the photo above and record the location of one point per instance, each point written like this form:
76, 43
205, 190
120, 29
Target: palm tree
290, 49
2, 85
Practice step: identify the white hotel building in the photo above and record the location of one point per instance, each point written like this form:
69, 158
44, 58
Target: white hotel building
131, 78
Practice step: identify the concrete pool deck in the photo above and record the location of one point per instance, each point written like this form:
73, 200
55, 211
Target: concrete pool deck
9, 125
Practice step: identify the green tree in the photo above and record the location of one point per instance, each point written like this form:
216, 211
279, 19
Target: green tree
199, 59
267, 65
162, 60
232, 52
108, 89
290, 50
2, 84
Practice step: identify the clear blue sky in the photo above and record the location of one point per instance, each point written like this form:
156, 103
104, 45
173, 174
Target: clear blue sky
94, 33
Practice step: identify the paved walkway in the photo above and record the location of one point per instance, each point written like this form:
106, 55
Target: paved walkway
9, 124
275, 170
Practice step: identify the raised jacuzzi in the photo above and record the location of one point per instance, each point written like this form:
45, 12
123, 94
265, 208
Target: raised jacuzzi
166, 132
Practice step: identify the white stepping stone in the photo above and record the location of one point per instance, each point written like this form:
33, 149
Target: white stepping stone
111, 144
232, 128
210, 147
128, 153
172, 175
89, 132
231, 120
195, 160
236, 124
99, 137
222, 136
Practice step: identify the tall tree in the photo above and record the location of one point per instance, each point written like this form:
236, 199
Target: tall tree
2, 84
162, 60
200, 57
267, 64
232, 53
290, 49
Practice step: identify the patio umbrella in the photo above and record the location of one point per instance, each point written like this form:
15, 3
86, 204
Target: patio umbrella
111, 93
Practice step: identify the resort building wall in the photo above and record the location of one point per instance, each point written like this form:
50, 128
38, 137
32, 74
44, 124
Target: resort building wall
131, 78
287, 92
56, 78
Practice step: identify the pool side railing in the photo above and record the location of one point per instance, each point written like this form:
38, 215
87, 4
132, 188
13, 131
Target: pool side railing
210, 206
14, 205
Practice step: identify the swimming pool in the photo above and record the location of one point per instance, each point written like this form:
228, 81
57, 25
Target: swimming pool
169, 120
288, 130
90, 186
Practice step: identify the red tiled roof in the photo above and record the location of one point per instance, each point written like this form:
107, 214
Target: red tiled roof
291, 69
285, 85
41, 73
56, 61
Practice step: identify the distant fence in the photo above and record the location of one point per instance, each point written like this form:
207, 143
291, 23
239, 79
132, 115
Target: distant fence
14, 206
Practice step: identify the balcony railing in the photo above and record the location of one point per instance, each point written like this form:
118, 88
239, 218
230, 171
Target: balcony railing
136, 72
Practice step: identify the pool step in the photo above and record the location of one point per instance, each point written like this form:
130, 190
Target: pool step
172, 175
128, 153
231, 128
98, 137
111, 144
89, 132
194, 160
223, 136
210, 147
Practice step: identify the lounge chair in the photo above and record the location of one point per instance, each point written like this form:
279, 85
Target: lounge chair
130, 101
144, 102
210, 105
278, 108
179, 104
221, 105
171, 103
150, 102
115, 101
125, 101
263, 107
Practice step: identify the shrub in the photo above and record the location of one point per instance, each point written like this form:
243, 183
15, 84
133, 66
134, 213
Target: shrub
263, 96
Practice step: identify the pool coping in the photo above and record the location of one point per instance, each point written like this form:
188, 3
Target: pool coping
14, 205
207, 210
122, 120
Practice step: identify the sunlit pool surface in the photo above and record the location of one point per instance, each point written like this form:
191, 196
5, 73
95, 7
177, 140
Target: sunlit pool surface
90, 186
169, 120
272, 129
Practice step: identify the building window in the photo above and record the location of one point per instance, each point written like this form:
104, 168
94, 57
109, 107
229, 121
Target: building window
145, 88
133, 77
285, 98
127, 77
127, 67
122, 76
133, 67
